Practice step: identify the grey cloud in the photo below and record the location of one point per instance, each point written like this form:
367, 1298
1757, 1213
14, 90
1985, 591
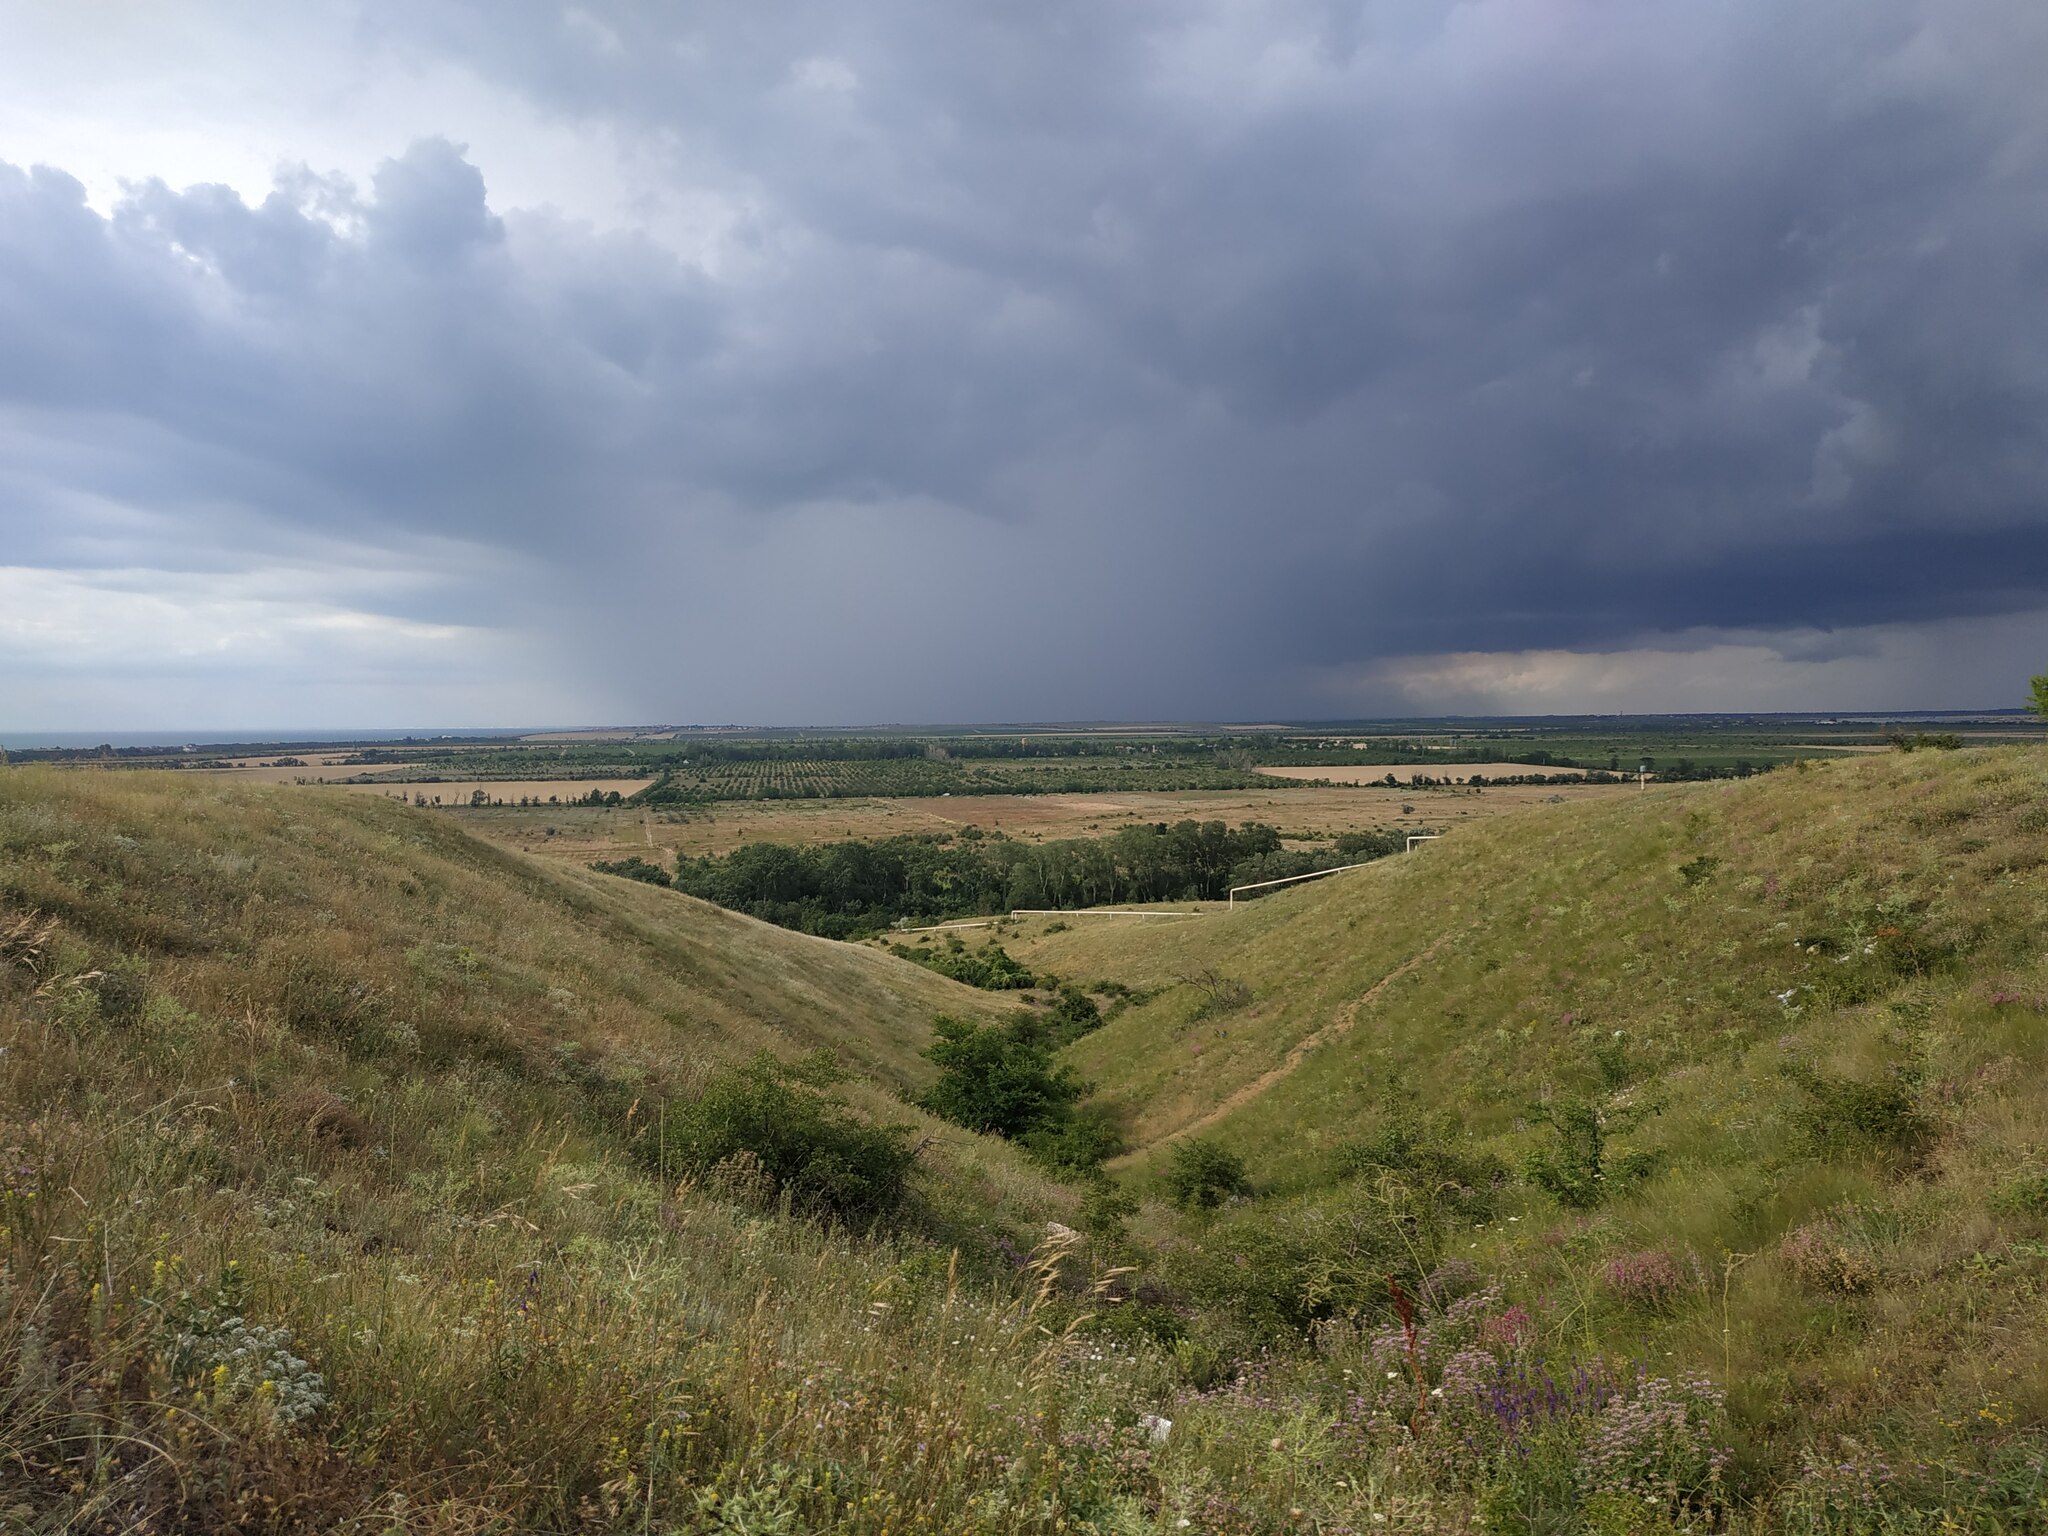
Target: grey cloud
1286, 337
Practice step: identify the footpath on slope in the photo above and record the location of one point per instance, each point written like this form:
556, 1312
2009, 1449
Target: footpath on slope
1345, 1021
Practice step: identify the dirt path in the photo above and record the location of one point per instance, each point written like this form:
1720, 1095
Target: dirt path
1341, 1025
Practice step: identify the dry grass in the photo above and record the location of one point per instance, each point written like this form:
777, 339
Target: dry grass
337, 1065
1920, 887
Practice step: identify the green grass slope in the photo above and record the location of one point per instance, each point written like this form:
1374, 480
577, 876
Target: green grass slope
329, 1065
1701, 1133
1807, 1014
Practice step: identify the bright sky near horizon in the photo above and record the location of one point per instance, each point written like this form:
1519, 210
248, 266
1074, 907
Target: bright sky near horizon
446, 362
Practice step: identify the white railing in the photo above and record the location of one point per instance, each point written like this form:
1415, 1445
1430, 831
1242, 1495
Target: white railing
1095, 912
1260, 885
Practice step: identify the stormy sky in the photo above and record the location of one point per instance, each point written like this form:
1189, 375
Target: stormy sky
462, 362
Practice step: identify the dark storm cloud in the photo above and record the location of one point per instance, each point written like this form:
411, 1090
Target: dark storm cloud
1232, 343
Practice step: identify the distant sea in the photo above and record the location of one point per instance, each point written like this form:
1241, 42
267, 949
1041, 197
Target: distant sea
27, 741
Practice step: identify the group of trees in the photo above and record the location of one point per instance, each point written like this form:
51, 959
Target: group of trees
853, 888
1004, 1080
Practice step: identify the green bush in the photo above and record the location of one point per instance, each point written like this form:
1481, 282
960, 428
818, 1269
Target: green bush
1200, 1175
991, 968
781, 1121
1272, 1269
998, 1078
1074, 1014
1407, 1157
122, 987
1574, 1169
1078, 1142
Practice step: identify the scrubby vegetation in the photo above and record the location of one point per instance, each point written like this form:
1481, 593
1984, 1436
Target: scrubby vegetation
771, 1129
1674, 1164
990, 967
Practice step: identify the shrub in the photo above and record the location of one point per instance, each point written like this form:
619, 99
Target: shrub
998, 1078
1359, 847
1574, 1169
1105, 1209
1220, 994
1610, 1057
1425, 1162
1074, 1014
1274, 1269
122, 988
773, 1119
1078, 1142
991, 968
1200, 1175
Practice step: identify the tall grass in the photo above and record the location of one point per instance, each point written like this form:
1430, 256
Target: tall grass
327, 1200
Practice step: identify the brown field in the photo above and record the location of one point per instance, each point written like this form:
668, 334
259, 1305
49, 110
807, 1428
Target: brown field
583, 833
321, 768
1367, 773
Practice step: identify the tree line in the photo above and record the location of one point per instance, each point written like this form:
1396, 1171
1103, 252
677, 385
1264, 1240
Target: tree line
858, 887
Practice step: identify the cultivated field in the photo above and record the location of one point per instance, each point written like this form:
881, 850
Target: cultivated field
310, 768
1305, 814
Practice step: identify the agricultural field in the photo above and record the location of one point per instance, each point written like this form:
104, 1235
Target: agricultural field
1305, 814
683, 768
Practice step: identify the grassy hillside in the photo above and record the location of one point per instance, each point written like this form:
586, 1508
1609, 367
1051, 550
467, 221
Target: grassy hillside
1671, 1164
329, 1065
1807, 1013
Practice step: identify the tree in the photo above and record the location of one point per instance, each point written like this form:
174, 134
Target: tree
1202, 1175
998, 1078
2038, 697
